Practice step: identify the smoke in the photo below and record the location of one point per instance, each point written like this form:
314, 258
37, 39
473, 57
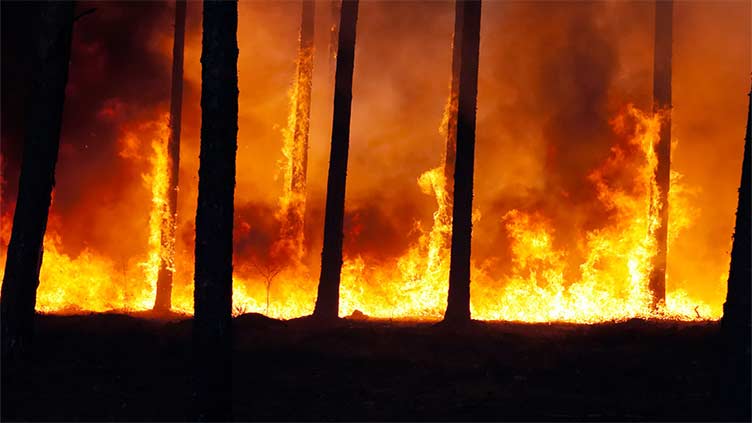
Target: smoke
118, 77
551, 79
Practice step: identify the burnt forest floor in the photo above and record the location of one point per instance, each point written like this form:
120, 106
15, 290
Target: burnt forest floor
119, 367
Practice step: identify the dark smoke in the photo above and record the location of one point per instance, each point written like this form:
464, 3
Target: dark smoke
117, 76
553, 84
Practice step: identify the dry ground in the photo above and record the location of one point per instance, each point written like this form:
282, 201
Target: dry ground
118, 367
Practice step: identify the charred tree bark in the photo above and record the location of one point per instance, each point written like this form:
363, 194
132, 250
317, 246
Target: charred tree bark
163, 301
458, 302
327, 301
736, 309
451, 124
51, 54
214, 215
662, 102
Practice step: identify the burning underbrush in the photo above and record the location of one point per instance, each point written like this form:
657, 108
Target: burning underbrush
605, 278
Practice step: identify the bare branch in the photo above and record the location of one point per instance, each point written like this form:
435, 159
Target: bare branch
84, 13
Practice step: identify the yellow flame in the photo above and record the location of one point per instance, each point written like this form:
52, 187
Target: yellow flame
613, 283
291, 212
613, 277
610, 283
91, 282
160, 218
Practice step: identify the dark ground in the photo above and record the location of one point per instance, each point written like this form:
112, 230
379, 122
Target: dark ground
116, 367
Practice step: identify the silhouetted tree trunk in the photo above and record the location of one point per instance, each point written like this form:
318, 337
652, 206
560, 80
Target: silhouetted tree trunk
51, 54
163, 301
736, 325
662, 101
327, 301
736, 310
214, 215
451, 128
458, 302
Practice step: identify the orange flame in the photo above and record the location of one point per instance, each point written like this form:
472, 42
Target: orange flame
291, 212
612, 283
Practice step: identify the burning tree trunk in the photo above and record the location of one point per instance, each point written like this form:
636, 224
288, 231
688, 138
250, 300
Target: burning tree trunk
303, 107
51, 54
458, 305
662, 102
451, 110
296, 143
333, 34
163, 300
327, 301
736, 310
214, 214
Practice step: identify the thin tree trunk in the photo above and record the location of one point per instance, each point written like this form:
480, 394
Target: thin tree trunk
451, 124
303, 112
736, 310
163, 301
662, 102
458, 302
51, 54
293, 228
327, 301
333, 36
214, 215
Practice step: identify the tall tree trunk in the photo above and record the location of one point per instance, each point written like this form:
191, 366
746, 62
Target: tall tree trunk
163, 301
214, 215
303, 106
736, 310
294, 222
327, 301
51, 54
451, 113
735, 324
458, 302
662, 102
333, 36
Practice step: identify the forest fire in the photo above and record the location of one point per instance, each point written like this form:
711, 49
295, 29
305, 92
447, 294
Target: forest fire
611, 285
524, 270
572, 244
